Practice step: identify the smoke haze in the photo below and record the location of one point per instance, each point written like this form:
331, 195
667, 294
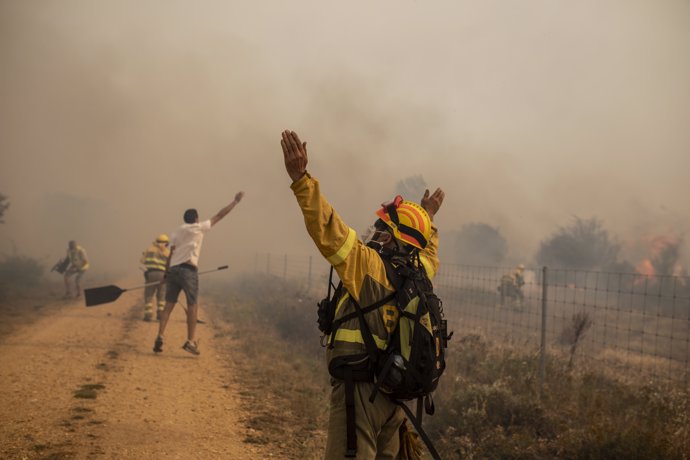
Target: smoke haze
117, 116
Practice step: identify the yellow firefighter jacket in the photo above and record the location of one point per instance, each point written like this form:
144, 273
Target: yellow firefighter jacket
155, 257
359, 267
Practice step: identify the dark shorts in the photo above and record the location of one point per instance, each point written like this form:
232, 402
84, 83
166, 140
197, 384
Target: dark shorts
182, 277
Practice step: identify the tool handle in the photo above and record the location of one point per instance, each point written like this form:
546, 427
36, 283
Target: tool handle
222, 267
142, 286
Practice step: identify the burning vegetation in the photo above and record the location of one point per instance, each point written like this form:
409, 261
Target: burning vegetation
584, 244
662, 258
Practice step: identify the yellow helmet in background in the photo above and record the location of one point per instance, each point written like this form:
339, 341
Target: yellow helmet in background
520, 268
409, 222
162, 238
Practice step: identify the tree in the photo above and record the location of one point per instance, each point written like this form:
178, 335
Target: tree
4, 204
411, 188
584, 245
479, 244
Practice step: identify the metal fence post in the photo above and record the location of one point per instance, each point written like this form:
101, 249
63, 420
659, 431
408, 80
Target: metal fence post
542, 346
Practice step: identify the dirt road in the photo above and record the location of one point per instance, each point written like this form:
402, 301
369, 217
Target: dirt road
84, 383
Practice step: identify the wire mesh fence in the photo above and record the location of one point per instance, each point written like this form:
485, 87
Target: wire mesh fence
636, 325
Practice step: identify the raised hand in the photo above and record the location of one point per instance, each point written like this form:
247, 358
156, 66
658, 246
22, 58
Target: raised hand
294, 154
431, 203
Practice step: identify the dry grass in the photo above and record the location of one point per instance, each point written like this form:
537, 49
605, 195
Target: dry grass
655, 345
286, 387
21, 305
487, 403
489, 408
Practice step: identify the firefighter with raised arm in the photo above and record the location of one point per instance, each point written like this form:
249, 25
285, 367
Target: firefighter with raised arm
358, 427
155, 260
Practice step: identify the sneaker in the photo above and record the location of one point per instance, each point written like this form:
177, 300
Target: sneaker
158, 345
147, 317
191, 347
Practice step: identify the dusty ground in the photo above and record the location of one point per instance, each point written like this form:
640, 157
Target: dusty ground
134, 404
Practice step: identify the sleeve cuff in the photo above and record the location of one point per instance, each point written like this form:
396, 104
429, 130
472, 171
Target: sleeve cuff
300, 183
344, 251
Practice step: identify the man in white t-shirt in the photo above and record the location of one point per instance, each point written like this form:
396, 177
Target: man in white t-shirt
182, 276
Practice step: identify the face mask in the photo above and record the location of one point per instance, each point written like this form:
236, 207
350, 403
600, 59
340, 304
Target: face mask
372, 238
368, 234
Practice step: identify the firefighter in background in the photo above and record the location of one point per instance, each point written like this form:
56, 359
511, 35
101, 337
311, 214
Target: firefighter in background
78, 264
511, 286
155, 262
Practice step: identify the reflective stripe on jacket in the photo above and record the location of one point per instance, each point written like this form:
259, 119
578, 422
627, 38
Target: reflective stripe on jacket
359, 267
155, 257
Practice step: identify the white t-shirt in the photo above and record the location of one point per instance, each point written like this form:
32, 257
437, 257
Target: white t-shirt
187, 240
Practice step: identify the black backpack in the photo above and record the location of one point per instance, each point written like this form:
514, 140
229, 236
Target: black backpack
422, 331
61, 266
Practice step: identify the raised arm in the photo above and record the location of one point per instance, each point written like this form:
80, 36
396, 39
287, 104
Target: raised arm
337, 242
224, 212
330, 234
429, 255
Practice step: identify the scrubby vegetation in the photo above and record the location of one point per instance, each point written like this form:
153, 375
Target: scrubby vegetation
488, 404
490, 407
584, 245
24, 290
287, 388
411, 188
4, 204
19, 273
478, 243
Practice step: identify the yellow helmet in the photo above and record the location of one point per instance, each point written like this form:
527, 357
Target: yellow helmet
408, 221
520, 268
162, 238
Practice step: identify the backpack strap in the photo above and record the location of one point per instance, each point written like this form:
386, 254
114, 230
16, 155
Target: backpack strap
338, 322
351, 446
381, 378
351, 451
330, 283
418, 427
392, 274
369, 342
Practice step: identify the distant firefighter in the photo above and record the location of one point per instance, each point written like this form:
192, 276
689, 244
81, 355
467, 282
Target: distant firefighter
78, 264
511, 286
155, 262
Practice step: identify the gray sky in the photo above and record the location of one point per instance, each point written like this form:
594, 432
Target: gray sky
116, 116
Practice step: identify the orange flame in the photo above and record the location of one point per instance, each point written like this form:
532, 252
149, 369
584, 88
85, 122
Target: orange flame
645, 268
658, 247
